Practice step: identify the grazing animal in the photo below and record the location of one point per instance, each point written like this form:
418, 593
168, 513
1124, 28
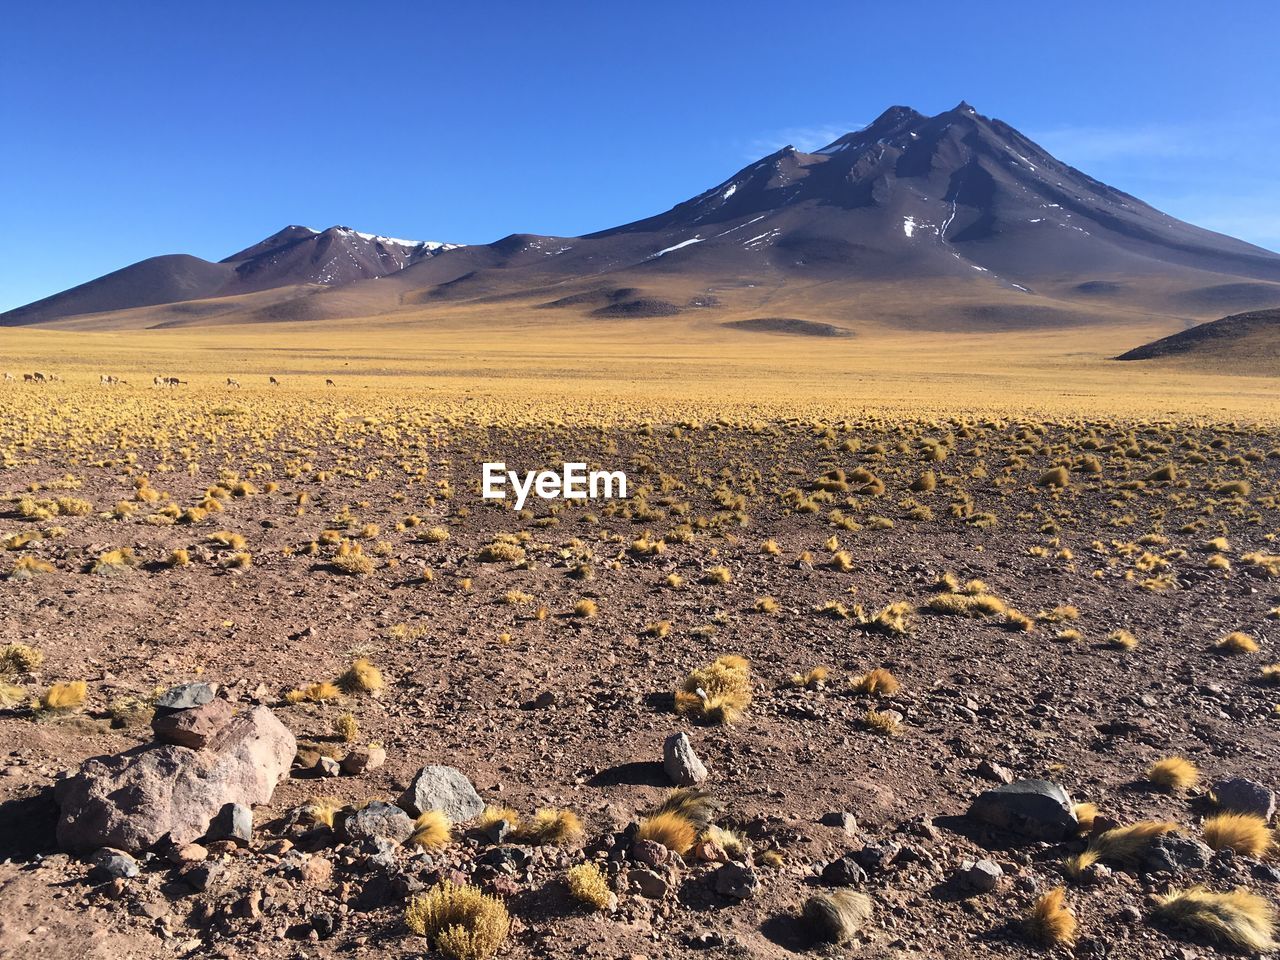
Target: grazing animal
28, 378
329, 383
39, 377
109, 380
174, 381
8, 377
274, 381
233, 382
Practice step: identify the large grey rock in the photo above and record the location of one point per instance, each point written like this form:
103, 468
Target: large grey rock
1035, 809
680, 762
133, 799
1240, 795
185, 696
442, 788
378, 820
736, 881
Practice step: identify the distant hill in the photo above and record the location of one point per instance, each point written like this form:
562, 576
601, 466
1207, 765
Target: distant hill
1243, 341
293, 256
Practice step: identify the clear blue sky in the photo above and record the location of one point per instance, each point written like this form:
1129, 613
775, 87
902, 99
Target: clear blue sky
138, 128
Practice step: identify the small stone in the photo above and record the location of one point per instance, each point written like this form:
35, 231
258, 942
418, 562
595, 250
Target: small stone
989, 770
877, 857
363, 759
381, 820
1173, 853
843, 819
233, 822
111, 864
202, 877
316, 871
194, 727
1241, 795
442, 788
844, 872
185, 697
736, 881
681, 762
1266, 872
188, 853
652, 885
327, 767
982, 876
651, 853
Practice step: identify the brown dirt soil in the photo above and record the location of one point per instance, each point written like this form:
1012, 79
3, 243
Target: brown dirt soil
571, 711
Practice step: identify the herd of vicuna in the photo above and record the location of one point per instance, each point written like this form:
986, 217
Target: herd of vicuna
110, 380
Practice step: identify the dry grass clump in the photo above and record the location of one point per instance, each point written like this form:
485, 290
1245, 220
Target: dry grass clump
63, 697
114, 563
878, 682
434, 535
550, 825
16, 658
1236, 643
1267, 563
503, 551
1050, 922
587, 884
717, 575
361, 677
884, 722
459, 921
585, 609
683, 816
669, 828
1237, 919
718, 693
1055, 477
1245, 833
28, 568
346, 727
894, 620
815, 679
350, 559
836, 916
1121, 845
966, 605
1122, 640
1173, 774
314, 693
432, 830
1270, 674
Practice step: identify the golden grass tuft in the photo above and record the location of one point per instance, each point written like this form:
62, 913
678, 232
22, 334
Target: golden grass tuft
1245, 833
432, 830
1173, 774
587, 884
1121, 845
718, 693
361, 677
1236, 643
878, 682
836, 916
346, 727
459, 922
671, 829
1122, 640
64, 697
113, 563
16, 658
815, 679
1050, 922
1237, 919
550, 825
884, 722
493, 814
1085, 814
314, 693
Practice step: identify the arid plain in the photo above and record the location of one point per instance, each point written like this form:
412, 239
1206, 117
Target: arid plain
946, 561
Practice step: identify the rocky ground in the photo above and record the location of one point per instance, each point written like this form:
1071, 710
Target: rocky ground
782, 542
